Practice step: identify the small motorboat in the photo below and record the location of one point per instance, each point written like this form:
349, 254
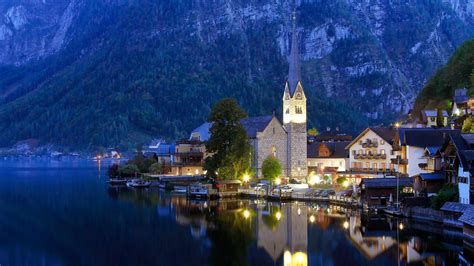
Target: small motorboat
197, 190
138, 183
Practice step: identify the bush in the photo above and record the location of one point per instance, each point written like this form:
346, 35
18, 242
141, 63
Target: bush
143, 163
341, 180
448, 192
271, 168
129, 170
155, 169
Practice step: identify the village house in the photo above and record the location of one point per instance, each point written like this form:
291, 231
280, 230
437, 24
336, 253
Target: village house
371, 154
379, 192
429, 118
461, 165
188, 157
328, 158
461, 102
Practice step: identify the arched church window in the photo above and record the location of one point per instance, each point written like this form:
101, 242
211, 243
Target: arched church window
274, 151
299, 96
287, 110
298, 110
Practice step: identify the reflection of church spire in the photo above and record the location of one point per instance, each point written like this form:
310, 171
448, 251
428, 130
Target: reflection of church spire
294, 73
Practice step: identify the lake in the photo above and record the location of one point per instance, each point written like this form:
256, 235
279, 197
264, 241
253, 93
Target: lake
55, 212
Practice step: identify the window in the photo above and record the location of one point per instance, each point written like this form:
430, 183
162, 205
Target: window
382, 142
287, 110
354, 165
273, 131
367, 165
274, 151
433, 119
374, 165
382, 152
374, 141
360, 142
298, 110
354, 152
340, 163
360, 152
383, 165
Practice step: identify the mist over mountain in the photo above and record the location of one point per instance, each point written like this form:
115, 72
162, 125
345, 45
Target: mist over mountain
87, 73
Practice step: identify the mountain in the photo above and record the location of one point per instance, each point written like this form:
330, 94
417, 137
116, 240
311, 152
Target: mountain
86, 73
457, 73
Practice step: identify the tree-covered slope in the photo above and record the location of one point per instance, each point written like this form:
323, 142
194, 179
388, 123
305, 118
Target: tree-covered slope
100, 73
457, 73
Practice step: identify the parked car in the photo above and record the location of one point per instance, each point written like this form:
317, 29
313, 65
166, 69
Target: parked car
284, 189
327, 193
260, 187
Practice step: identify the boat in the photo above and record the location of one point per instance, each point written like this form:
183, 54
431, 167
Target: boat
179, 189
138, 183
197, 190
117, 181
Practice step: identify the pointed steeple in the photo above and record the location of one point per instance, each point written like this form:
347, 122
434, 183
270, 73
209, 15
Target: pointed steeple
294, 73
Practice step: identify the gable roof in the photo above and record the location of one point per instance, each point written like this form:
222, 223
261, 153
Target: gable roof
386, 133
253, 125
337, 149
454, 207
387, 182
423, 137
432, 176
431, 113
468, 216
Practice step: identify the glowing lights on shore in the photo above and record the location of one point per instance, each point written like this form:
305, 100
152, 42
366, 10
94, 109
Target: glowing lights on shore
401, 226
278, 181
314, 179
246, 178
345, 183
278, 216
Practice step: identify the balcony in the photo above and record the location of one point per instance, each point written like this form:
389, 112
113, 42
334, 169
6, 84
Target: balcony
378, 156
369, 144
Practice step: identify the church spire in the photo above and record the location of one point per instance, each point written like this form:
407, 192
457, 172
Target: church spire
294, 73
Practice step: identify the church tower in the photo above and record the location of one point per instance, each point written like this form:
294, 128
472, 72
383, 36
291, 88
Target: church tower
294, 113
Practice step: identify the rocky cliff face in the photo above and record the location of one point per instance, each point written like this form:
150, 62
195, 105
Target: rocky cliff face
365, 60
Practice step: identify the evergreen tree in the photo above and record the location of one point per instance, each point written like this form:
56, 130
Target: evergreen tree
228, 144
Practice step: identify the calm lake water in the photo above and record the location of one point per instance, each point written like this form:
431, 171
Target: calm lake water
64, 213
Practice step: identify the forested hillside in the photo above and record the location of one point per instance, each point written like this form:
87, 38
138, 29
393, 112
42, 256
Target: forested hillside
457, 73
82, 73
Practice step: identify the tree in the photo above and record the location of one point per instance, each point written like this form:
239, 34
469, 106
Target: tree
156, 169
228, 144
468, 126
472, 78
313, 132
129, 170
439, 118
448, 192
271, 168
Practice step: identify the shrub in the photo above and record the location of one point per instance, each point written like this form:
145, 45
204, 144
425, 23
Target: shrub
341, 180
155, 169
448, 192
129, 170
113, 170
271, 168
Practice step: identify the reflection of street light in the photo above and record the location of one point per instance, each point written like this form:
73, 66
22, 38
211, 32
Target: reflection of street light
397, 124
246, 214
278, 216
346, 224
400, 226
312, 219
299, 211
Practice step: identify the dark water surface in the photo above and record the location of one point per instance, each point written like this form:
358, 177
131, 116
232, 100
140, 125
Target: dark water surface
64, 213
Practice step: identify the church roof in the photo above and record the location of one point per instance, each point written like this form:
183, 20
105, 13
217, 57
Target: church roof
294, 72
253, 125
336, 148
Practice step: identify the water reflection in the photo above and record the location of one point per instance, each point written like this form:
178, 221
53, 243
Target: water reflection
238, 230
64, 215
